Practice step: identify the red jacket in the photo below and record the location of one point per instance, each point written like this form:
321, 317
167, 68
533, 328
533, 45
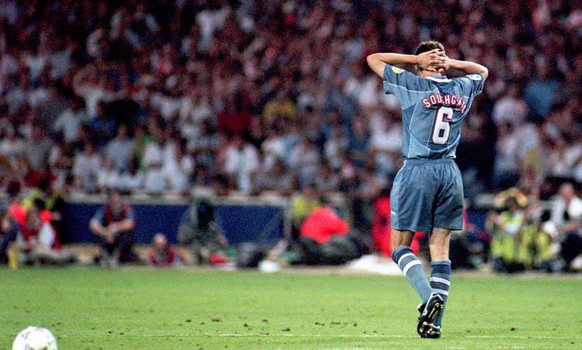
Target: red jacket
381, 228
321, 224
167, 259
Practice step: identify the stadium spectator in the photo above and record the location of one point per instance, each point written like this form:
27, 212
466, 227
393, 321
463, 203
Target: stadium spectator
199, 231
12, 144
89, 83
86, 167
178, 168
510, 108
277, 179
154, 154
385, 143
69, 121
273, 148
120, 148
506, 171
132, 179
37, 144
325, 238
565, 227
235, 118
46, 198
38, 242
359, 141
9, 231
162, 254
505, 228
302, 204
519, 240
113, 224
328, 180
304, 159
540, 92
242, 164
108, 176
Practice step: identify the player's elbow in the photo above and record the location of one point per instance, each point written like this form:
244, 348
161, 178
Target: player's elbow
375, 64
484, 72
371, 59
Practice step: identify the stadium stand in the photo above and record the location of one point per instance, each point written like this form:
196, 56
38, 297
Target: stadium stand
160, 96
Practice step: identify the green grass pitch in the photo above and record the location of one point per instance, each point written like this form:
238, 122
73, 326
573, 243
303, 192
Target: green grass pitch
89, 308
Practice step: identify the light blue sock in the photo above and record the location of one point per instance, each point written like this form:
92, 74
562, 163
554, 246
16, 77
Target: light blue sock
412, 268
440, 281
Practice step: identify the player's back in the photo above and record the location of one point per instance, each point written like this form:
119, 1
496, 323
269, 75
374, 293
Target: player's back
432, 110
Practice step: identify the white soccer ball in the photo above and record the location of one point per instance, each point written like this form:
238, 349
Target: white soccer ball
35, 338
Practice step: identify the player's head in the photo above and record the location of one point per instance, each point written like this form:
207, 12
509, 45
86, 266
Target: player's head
428, 46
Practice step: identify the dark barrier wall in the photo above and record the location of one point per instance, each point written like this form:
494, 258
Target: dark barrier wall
240, 223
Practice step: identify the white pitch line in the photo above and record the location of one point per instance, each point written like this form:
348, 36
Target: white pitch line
234, 335
388, 336
524, 337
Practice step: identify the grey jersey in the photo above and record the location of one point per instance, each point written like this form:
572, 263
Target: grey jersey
432, 110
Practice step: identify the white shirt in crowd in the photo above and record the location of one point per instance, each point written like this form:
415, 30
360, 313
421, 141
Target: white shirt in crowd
242, 163
69, 123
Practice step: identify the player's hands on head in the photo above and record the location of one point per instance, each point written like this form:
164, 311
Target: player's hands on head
443, 62
428, 59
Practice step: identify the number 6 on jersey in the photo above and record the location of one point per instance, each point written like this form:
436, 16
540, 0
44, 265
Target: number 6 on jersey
441, 127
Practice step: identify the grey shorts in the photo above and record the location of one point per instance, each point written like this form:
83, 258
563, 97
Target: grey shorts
427, 194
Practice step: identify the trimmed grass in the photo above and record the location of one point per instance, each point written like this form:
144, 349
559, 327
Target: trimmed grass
89, 308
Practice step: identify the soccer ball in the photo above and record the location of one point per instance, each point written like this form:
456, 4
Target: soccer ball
35, 338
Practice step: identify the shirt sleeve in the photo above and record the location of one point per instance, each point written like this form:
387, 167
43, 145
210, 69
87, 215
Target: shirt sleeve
98, 216
402, 84
472, 84
130, 214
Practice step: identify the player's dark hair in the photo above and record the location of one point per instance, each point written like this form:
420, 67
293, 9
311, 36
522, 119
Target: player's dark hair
428, 45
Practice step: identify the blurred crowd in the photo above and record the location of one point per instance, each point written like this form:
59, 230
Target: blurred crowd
273, 96
159, 96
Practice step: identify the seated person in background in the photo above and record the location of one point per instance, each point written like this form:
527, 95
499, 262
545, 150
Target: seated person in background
162, 254
38, 242
199, 230
505, 229
15, 208
519, 242
565, 227
324, 238
302, 204
535, 244
113, 224
9, 231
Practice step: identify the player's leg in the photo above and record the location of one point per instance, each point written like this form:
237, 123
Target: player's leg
411, 202
408, 262
410, 211
440, 275
448, 216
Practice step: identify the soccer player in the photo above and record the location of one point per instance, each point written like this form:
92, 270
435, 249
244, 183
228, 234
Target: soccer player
427, 194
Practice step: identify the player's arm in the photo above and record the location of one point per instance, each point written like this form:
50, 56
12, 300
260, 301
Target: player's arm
465, 66
378, 61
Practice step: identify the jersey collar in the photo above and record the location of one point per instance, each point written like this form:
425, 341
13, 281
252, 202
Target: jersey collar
438, 78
